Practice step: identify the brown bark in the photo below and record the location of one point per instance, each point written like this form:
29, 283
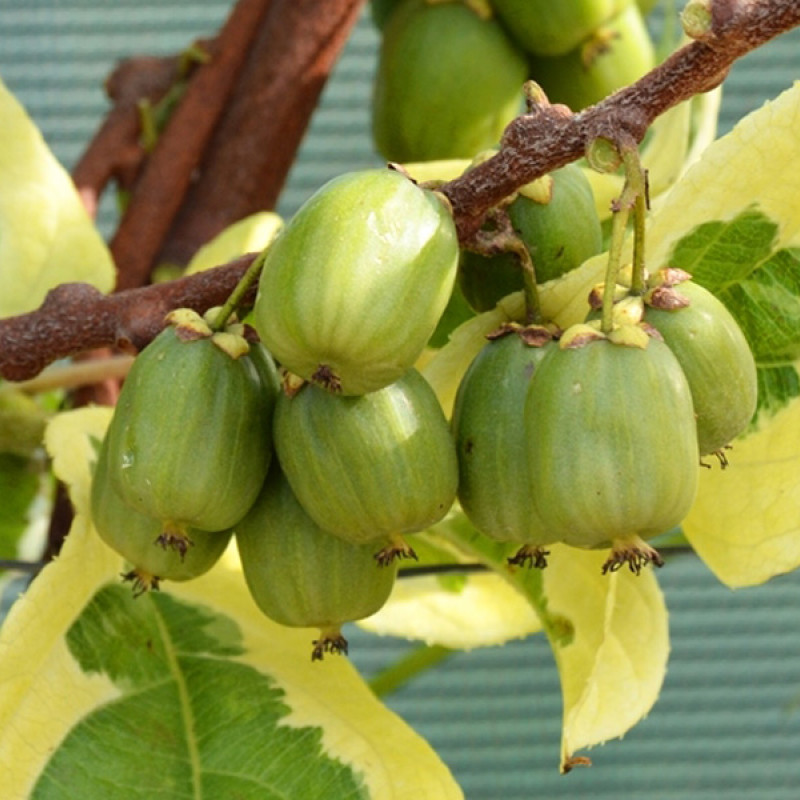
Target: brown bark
552, 136
256, 143
114, 151
75, 317
168, 172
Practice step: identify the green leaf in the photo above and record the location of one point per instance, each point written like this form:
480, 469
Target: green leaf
188, 693
733, 222
46, 236
738, 261
248, 235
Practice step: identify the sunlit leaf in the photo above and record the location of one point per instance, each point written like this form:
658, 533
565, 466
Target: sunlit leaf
609, 635
185, 693
563, 301
46, 236
456, 611
745, 523
249, 235
612, 666
733, 222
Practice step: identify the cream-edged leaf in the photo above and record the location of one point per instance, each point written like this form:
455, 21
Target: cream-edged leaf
756, 165
745, 522
46, 235
460, 612
248, 235
186, 692
608, 633
612, 647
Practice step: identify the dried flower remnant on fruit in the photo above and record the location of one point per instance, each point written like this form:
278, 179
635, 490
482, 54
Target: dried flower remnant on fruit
531, 556
330, 641
189, 326
327, 378
397, 548
141, 581
174, 537
634, 552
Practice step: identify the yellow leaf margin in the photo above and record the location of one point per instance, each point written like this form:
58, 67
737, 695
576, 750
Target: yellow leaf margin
43, 693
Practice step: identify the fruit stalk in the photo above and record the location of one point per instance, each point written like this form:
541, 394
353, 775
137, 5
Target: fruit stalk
240, 291
632, 197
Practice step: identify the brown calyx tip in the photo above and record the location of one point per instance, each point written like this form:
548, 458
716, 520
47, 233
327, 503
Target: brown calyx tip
538, 335
529, 556
667, 298
142, 581
330, 641
670, 276
325, 377
720, 455
397, 548
575, 761
503, 330
634, 552
174, 537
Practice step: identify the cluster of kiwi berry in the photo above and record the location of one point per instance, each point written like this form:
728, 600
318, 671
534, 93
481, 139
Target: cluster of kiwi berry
450, 71
320, 465
318, 473
311, 438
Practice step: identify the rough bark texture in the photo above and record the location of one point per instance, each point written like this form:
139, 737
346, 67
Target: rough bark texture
75, 318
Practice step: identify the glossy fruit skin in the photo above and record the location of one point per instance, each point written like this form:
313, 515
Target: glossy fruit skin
717, 362
447, 83
357, 280
548, 28
300, 575
488, 426
134, 535
559, 235
619, 55
190, 441
368, 467
612, 443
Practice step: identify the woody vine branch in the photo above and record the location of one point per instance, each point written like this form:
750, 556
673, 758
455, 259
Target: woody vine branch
75, 317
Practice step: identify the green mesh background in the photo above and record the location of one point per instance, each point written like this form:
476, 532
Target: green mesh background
728, 722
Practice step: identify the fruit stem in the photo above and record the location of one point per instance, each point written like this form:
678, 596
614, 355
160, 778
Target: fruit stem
533, 308
633, 197
636, 177
240, 290
618, 225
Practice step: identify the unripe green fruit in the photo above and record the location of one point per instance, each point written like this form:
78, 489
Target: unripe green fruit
554, 27
612, 445
485, 280
447, 84
302, 576
717, 362
559, 235
381, 10
488, 424
22, 423
355, 284
136, 537
190, 440
382, 464
616, 55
